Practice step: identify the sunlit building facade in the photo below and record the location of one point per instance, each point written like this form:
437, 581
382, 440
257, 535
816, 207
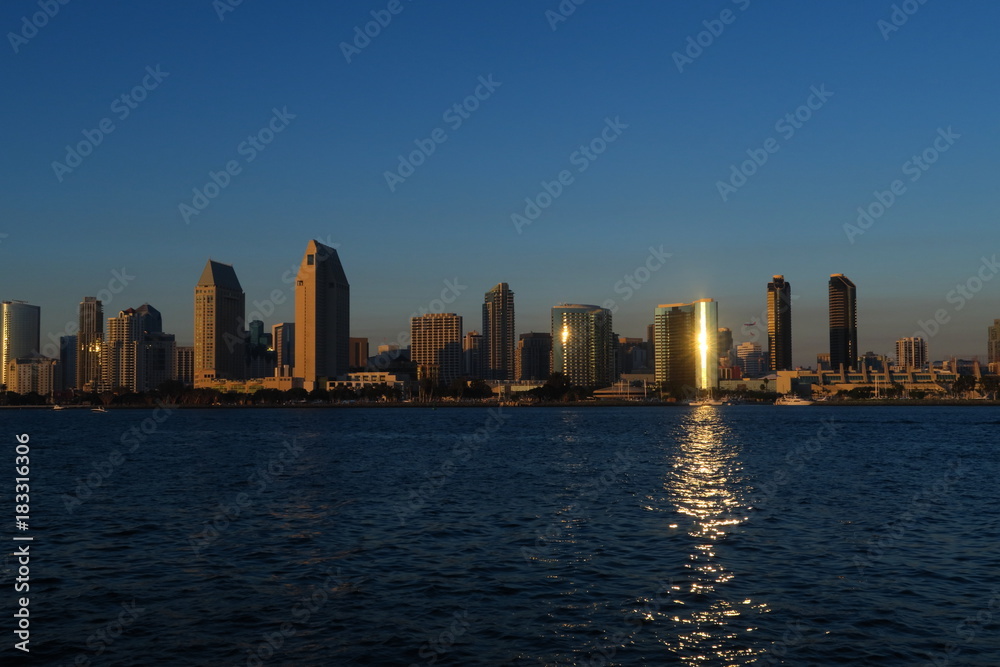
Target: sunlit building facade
911, 354
779, 324
88, 344
322, 317
219, 318
19, 329
436, 346
583, 347
686, 342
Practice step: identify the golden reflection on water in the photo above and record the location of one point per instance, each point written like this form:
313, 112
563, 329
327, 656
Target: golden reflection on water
711, 629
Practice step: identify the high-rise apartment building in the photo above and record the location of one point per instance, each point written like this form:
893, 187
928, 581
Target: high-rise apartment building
88, 344
499, 339
911, 354
184, 365
322, 316
283, 343
472, 355
843, 323
122, 353
19, 330
686, 336
583, 345
436, 346
533, 357
779, 324
219, 318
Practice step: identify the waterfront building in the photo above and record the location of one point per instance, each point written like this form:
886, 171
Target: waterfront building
583, 344
322, 316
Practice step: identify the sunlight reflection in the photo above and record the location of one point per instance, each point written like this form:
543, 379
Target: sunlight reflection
703, 486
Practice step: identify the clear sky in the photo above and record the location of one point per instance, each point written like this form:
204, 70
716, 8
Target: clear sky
677, 127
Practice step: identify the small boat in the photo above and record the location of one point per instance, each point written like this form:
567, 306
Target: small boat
704, 401
100, 409
58, 407
792, 400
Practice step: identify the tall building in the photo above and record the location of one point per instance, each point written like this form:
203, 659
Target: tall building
150, 320
122, 353
499, 339
260, 356
19, 329
631, 353
184, 365
159, 358
322, 316
687, 336
359, 353
993, 344
727, 356
283, 342
219, 314
751, 359
88, 344
533, 357
436, 346
843, 323
67, 362
583, 345
779, 324
472, 355
911, 354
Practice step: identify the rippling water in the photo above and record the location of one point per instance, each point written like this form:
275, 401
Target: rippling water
743, 535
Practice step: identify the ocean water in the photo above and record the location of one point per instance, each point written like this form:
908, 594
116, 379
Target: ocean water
740, 535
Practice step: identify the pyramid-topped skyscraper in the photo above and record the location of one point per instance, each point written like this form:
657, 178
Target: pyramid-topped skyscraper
219, 314
322, 317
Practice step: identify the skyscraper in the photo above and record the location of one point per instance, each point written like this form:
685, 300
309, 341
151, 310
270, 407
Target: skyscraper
779, 324
322, 316
184, 365
687, 336
436, 346
583, 345
219, 312
499, 339
472, 355
19, 329
751, 359
122, 353
88, 344
283, 342
843, 323
727, 356
150, 320
911, 354
359, 353
534, 356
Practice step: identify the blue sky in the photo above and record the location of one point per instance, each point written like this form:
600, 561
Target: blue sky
323, 175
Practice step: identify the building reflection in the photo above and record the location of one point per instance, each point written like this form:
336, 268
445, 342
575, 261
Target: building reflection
710, 626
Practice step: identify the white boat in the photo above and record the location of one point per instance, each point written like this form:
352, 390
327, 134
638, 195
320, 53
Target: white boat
57, 407
101, 409
792, 400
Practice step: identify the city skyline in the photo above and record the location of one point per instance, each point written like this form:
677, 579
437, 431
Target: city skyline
607, 79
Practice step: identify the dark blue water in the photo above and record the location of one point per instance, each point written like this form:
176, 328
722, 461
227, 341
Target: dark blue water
739, 535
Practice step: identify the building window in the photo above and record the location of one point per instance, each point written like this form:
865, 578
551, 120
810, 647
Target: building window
310, 260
